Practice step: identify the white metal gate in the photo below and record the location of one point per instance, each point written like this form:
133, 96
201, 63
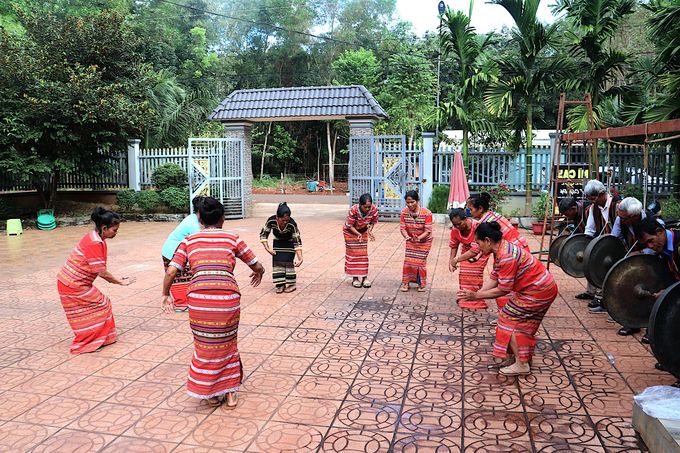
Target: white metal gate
383, 167
216, 170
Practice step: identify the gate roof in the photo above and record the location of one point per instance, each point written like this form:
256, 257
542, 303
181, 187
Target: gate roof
299, 104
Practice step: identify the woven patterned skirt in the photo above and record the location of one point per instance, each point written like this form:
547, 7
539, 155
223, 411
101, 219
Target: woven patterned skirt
216, 364
356, 255
91, 318
522, 314
471, 277
179, 286
415, 262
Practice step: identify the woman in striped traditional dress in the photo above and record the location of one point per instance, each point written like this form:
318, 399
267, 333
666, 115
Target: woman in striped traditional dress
479, 207
88, 310
472, 263
286, 249
532, 290
357, 231
214, 304
188, 226
416, 227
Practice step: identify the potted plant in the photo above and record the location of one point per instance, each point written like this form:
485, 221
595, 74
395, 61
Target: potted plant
514, 219
538, 210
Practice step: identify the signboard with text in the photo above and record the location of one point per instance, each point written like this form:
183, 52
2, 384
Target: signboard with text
570, 179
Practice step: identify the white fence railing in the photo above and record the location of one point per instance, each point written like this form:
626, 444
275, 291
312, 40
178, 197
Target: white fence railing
492, 166
152, 158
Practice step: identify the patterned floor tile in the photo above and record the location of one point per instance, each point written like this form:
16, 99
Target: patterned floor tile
70, 441
327, 368
289, 438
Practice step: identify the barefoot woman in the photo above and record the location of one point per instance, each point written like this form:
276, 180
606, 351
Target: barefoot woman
416, 227
470, 260
532, 290
214, 304
88, 310
357, 231
286, 250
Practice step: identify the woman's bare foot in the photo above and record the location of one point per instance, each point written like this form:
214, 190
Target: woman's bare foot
404, 287
231, 401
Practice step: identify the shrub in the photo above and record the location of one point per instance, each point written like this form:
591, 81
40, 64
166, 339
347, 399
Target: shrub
670, 208
126, 199
169, 175
538, 207
148, 199
498, 194
175, 198
9, 208
628, 190
439, 199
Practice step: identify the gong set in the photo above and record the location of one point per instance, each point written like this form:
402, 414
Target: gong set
629, 283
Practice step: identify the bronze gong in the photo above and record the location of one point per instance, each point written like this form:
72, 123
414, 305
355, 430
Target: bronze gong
572, 252
664, 325
554, 250
600, 255
629, 288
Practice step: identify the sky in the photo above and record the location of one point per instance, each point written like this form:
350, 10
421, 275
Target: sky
485, 17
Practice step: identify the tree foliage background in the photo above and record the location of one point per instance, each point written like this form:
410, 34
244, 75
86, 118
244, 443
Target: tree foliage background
150, 69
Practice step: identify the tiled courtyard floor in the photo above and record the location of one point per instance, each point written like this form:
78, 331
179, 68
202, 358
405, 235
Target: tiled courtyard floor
328, 367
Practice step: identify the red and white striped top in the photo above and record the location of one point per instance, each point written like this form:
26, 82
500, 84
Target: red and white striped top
86, 261
361, 223
212, 254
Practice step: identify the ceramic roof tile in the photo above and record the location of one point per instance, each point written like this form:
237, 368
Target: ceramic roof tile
300, 102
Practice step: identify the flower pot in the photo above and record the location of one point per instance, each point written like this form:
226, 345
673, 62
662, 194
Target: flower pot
515, 224
537, 227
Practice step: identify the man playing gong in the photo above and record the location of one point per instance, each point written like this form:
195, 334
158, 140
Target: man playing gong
652, 234
601, 220
630, 213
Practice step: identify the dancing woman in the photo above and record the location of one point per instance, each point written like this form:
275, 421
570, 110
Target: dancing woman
479, 207
472, 265
416, 227
357, 231
188, 226
88, 310
531, 289
287, 248
214, 302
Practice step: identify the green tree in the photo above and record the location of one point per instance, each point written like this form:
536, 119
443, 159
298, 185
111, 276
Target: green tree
70, 93
524, 76
474, 70
665, 33
409, 94
179, 112
283, 147
592, 25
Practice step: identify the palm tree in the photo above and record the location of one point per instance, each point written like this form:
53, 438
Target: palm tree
524, 76
592, 24
468, 50
179, 112
665, 33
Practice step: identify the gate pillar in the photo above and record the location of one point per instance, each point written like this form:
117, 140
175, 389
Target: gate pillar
427, 165
242, 130
360, 160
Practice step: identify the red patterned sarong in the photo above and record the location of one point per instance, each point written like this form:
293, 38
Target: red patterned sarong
179, 285
89, 313
533, 291
216, 363
415, 262
356, 255
471, 277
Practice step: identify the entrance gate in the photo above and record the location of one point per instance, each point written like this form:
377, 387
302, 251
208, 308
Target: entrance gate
383, 167
216, 170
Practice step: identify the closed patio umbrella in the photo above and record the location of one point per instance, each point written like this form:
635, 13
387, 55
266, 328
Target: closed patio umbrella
459, 192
